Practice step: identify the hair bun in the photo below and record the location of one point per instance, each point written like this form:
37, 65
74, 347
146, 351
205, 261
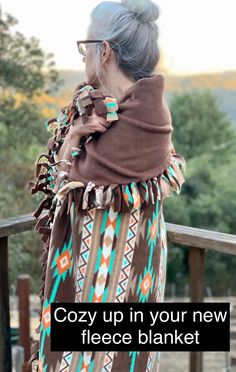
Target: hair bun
144, 10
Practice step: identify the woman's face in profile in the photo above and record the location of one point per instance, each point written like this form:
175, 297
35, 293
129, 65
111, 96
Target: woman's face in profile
89, 60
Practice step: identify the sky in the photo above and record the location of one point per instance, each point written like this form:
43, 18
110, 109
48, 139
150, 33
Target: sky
195, 36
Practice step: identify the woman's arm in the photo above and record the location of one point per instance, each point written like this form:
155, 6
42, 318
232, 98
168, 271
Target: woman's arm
72, 139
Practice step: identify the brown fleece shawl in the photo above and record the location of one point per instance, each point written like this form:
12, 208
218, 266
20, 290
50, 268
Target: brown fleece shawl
130, 161
137, 146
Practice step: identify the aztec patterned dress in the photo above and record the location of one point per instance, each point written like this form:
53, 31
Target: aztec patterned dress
102, 244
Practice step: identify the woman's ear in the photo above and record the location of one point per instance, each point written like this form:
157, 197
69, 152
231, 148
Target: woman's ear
106, 51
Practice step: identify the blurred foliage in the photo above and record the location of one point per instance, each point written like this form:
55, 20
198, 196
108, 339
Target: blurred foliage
24, 66
26, 73
206, 138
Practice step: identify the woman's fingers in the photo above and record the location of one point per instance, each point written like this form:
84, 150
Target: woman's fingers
99, 127
105, 123
98, 122
94, 123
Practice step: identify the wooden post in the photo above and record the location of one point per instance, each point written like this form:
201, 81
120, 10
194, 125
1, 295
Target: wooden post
196, 287
5, 332
23, 289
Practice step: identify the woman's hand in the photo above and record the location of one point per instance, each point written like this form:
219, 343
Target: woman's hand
94, 124
76, 131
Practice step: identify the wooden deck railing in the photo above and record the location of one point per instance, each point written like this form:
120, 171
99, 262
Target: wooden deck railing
198, 241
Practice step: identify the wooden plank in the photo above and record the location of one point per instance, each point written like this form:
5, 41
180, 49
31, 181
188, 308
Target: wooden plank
196, 261
5, 334
184, 235
19, 224
196, 364
23, 291
200, 238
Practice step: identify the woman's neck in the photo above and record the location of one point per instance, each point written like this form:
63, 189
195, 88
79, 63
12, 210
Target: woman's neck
117, 86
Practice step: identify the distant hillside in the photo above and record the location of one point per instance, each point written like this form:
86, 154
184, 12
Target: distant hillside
222, 84
227, 99
71, 80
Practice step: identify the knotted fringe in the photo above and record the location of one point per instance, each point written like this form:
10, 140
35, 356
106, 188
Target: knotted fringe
124, 197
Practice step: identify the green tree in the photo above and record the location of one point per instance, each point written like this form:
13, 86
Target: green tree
25, 71
200, 127
206, 138
24, 66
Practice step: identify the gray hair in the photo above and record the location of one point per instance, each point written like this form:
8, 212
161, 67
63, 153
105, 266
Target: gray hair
130, 28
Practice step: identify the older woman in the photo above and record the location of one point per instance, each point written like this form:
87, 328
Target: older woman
112, 163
